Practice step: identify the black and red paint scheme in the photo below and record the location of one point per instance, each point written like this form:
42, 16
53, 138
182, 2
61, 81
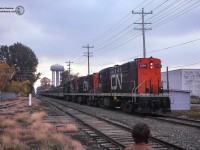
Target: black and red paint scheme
134, 87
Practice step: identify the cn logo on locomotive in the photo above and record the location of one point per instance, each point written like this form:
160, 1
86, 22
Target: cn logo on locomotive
116, 80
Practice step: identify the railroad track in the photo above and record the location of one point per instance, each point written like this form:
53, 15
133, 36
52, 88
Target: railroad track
11, 104
176, 120
108, 134
2, 107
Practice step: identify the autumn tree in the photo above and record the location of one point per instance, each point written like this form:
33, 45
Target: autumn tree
65, 76
6, 73
45, 83
18, 87
24, 60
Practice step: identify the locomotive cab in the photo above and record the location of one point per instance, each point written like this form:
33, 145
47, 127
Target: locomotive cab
149, 75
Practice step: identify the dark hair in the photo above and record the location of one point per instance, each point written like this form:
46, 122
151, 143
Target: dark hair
141, 133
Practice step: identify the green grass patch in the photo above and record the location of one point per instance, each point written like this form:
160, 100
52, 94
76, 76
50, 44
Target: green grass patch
35, 108
192, 114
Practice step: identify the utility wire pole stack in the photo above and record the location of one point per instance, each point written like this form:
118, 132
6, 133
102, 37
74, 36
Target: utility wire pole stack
88, 54
69, 63
143, 28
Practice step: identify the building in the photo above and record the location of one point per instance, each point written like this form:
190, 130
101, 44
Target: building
179, 99
183, 79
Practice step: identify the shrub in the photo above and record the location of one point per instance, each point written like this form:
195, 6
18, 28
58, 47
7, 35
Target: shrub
8, 123
38, 116
22, 117
68, 128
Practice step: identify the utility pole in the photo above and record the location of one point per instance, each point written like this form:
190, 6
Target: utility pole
167, 80
143, 28
88, 54
69, 63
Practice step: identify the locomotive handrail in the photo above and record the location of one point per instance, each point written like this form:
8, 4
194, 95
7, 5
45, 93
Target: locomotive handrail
135, 91
91, 91
132, 90
172, 99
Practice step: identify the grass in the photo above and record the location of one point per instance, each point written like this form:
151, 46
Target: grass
8, 123
68, 128
35, 108
22, 117
26, 130
37, 116
195, 100
193, 114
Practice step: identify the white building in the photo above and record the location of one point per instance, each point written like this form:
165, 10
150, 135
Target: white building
179, 100
183, 79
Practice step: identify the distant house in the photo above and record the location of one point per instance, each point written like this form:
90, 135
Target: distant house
183, 79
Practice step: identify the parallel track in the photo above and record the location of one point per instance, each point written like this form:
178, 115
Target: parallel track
7, 106
11, 104
108, 134
180, 121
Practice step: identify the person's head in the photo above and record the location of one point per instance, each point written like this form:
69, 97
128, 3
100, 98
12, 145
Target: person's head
141, 133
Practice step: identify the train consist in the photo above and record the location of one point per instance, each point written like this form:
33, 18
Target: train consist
134, 87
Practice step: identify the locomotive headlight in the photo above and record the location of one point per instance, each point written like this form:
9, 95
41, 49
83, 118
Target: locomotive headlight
151, 65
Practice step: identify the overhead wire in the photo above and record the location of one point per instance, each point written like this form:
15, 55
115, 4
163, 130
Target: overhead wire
116, 25
112, 38
129, 39
189, 8
126, 35
161, 17
154, 51
186, 65
113, 28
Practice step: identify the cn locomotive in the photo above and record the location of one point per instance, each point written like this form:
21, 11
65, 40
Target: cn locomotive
135, 86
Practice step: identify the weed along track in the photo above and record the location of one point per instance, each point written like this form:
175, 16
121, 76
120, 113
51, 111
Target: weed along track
22, 127
108, 134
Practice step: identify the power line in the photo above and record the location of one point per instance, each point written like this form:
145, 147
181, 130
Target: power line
183, 11
154, 51
123, 39
116, 25
192, 64
174, 46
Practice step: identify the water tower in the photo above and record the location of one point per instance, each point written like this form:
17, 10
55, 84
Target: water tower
56, 72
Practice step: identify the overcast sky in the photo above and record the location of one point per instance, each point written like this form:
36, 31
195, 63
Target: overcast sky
57, 30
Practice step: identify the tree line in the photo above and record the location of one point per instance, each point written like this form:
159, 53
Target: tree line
18, 69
